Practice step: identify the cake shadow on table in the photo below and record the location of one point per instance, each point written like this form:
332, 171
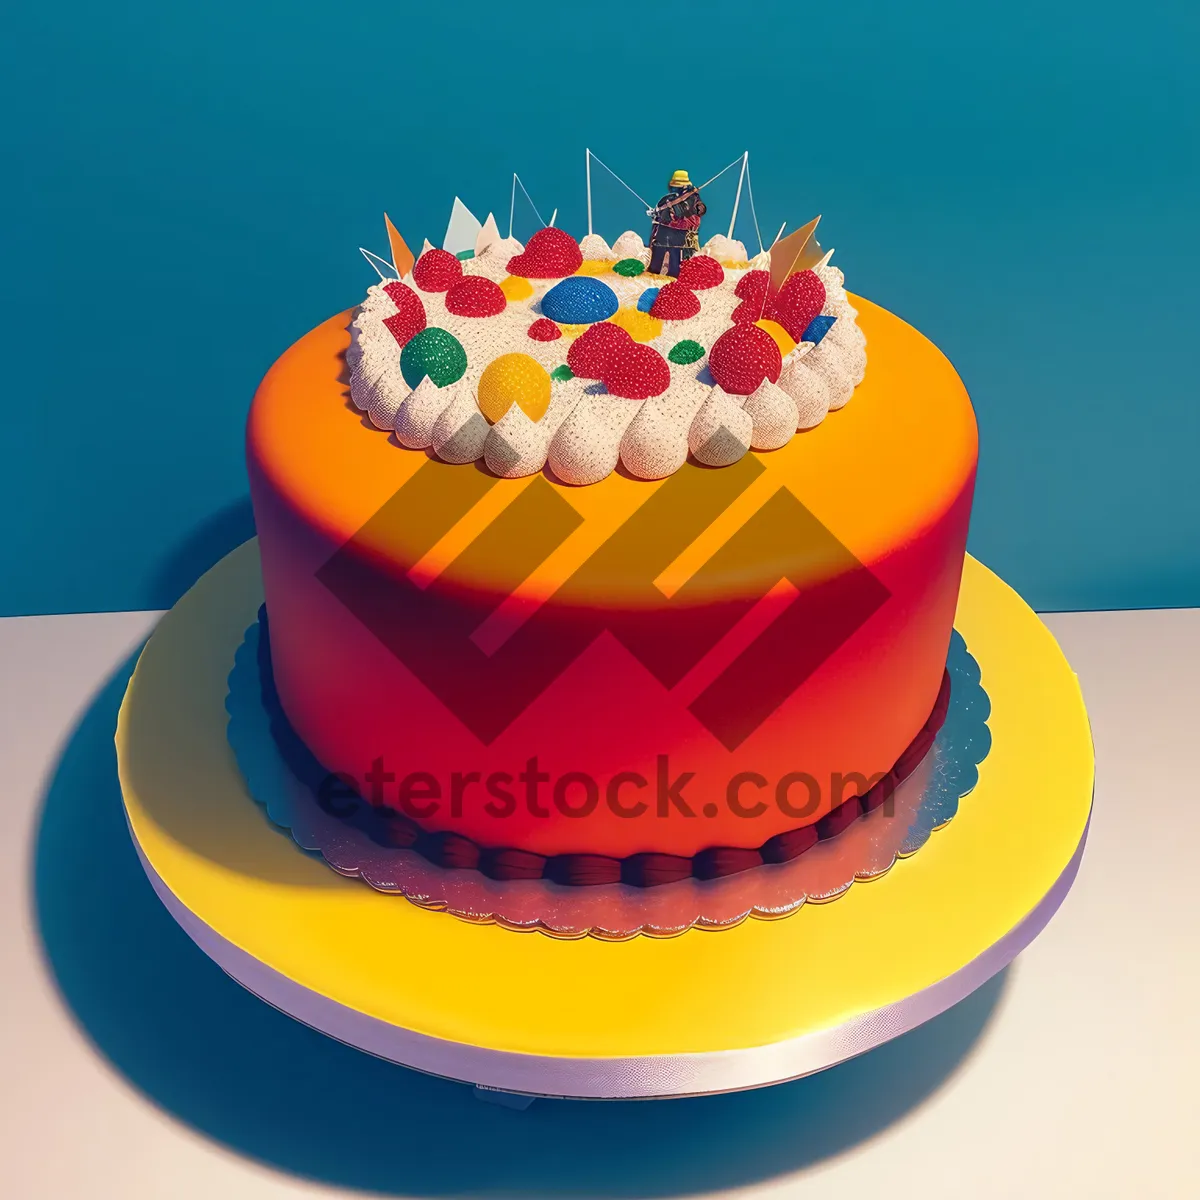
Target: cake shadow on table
204, 545
215, 1057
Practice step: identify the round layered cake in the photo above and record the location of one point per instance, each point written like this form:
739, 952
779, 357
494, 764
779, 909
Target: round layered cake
548, 648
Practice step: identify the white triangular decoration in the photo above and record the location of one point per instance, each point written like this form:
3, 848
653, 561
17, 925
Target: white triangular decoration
463, 229
487, 235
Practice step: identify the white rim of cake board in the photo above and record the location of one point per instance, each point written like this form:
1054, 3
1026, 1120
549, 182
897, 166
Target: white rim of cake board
615, 1078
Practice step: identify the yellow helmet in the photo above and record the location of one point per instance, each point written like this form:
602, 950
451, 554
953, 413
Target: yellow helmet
680, 179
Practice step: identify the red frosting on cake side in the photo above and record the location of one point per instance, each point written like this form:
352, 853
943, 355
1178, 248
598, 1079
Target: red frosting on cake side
608, 670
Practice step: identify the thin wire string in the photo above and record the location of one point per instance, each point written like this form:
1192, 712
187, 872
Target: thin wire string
753, 211
378, 263
705, 184
644, 202
517, 180
719, 174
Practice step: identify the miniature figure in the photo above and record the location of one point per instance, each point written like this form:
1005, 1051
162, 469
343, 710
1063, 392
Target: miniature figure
675, 232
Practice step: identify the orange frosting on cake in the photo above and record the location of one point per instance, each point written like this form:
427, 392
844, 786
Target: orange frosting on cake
433, 629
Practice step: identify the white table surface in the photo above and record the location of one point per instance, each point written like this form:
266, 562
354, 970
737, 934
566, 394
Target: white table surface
132, 1068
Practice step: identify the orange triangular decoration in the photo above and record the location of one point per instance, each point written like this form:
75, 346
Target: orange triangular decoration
797, 252
402, 256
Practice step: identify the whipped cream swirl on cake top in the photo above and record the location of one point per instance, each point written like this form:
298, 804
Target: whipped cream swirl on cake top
572, 356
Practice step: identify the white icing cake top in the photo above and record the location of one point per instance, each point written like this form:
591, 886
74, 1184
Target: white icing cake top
650, 407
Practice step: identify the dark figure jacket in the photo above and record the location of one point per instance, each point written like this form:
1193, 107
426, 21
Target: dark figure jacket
677, 219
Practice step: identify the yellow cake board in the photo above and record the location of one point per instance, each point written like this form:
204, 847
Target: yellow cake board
225, 869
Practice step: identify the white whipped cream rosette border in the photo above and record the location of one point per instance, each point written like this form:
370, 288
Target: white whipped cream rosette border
585, 432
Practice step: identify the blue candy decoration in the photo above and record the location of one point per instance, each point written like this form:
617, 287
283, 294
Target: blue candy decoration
818, 327
579, 300
646, 299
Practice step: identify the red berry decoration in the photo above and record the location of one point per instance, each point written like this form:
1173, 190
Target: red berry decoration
742, 357
750, 311
544, 330
800, 299
401, 294
436, 271
475, 296
550, 254
409, 318
675, 302
591, 351
754, 290
637, 372
754, 285
701, 272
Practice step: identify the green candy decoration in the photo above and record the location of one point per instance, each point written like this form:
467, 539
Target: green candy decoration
435, 353
562, 374
629, 267
686, 352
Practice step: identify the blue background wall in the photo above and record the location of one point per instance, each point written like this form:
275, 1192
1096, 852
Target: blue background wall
186, 184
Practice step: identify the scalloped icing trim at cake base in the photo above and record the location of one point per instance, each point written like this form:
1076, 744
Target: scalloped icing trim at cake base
644, 870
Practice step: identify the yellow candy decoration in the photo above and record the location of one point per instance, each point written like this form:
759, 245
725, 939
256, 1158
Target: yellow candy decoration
514, 379
783, 339
515, 288
640, 326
